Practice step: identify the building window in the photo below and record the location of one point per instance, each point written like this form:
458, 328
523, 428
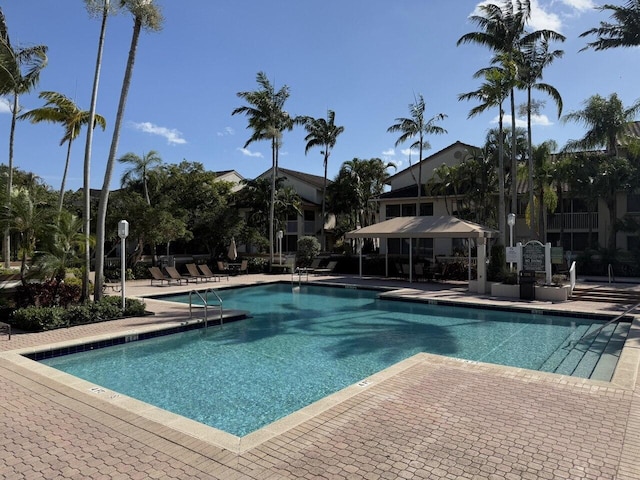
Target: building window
292, 223
392, 211
633, 203
309, 222
408, 209
633, 243
426, 209
422, 247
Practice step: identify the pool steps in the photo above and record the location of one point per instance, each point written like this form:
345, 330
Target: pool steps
595, 357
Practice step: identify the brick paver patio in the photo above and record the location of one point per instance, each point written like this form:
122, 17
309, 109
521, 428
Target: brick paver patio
430, 417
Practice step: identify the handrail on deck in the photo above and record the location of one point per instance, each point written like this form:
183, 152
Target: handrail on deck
602, 327
205, 301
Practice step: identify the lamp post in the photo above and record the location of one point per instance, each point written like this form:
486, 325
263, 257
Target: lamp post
279, 235
511, 221
123, 232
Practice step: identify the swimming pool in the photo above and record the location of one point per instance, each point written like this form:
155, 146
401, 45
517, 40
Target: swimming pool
300, 346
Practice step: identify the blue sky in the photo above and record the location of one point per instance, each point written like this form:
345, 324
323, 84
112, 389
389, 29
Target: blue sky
364, 59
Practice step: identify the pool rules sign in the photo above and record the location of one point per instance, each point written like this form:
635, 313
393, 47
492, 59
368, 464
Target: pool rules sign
533, 256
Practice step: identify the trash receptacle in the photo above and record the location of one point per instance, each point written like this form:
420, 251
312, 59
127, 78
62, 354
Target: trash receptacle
527, 285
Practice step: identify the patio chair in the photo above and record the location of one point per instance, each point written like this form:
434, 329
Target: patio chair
204, 268
314, 265
223, 267
175, 275
158, 276
195, 274
327, 270
244, 267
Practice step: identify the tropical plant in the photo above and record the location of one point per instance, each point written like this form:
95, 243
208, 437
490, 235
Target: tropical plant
322, 133
146, 14
606, 121
417, 127
545, 174
102, 9
357, 182
534, 58
20, 69
140, 169
502, 29
268, 120
61, 109
492, 93
623, 31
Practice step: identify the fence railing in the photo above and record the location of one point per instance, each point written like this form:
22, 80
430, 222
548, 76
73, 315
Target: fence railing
572, 221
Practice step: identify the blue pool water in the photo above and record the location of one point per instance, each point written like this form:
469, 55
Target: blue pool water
298, 347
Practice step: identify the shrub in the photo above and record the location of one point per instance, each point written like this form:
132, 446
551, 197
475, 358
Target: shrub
308, 249
497, 264
37, 319
49, 294
33, 319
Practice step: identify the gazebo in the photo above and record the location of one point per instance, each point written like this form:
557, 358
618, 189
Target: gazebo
430, 227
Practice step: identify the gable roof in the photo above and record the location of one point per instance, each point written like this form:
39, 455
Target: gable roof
314, 180
456, 144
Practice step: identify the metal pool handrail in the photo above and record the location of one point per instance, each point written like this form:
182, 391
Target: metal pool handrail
602, 327
206, 304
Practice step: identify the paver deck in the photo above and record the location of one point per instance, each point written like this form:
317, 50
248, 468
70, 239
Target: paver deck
428, 417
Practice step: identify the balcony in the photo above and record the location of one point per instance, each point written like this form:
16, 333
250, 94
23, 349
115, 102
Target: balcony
572, 221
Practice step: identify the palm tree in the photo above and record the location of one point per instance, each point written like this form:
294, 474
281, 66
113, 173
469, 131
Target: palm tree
322, 133
140, 169
146, 14
416, 126
534, 57
545, 173
624, 31
502, 29
101, 8
20, 69
268, 119
492, 93
606, 121
60, 109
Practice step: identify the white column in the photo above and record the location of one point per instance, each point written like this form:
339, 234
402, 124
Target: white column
547, 263
482, 264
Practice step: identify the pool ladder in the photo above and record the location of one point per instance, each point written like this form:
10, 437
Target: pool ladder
300, 272
205, 301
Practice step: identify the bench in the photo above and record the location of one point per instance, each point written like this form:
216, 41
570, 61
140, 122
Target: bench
6, 328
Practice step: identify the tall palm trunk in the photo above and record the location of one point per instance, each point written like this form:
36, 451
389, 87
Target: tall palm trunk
272, 206
514, 165
324, 199
533, 229
104, 194
419, 178
64, 177
6, 244
502, 213
86, 187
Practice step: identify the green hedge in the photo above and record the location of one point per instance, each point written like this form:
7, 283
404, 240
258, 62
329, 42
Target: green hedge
37, 319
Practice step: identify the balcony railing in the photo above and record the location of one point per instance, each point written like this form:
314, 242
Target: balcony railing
572, 221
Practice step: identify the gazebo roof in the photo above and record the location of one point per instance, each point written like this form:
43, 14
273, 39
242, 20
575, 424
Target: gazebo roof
423, 227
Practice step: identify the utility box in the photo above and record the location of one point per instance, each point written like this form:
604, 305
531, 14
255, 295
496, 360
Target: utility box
527, 284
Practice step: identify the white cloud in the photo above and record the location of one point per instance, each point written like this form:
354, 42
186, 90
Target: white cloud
5, 106
248, 153
228, 131
536, 120
409, 152
542, 19
580, 5
173, 136
389, 153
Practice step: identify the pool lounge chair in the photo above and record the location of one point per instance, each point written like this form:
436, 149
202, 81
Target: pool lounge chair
244, 267
195, 274
204, 268
158, 276
326, 271
175, 275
